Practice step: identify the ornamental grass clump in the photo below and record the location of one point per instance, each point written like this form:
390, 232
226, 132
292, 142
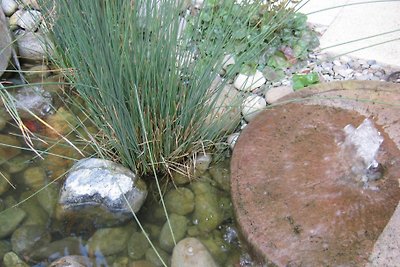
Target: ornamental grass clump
146, 71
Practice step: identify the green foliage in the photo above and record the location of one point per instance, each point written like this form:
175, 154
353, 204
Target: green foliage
285, 35
303, 80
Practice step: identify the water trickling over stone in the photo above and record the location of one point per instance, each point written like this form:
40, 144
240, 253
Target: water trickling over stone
360, 148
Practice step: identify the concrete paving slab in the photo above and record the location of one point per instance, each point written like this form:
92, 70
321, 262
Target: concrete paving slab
359, 20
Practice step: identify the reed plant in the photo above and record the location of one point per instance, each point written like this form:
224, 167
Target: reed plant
147, 82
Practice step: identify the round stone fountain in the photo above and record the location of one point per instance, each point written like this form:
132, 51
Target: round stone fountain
297, 198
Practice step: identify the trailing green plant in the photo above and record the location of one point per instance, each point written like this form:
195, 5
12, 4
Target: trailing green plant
146, 82
286, 38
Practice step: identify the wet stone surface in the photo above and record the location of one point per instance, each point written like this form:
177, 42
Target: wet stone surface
295, 199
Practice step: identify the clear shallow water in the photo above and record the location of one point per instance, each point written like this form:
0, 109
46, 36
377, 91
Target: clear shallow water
40, 233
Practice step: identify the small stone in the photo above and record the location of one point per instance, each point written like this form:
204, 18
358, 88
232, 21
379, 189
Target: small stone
276, 84
9, 7
36, 215
47, 198
70, 245
31, 3
226, 113
337, 62
9, 147
39, 72
375, 67
12, 22
109, 241
180, 201
207, 214
32, 99
345, 59
252, 106
179, 225
190, 252
274, 94
231, 139
18, 163
141, 263
73, 261
5, 181
248, 83
180, 178
354, 64
12, 260
10, 220
30, 20
34, 46
152, 257
201, 163
62, 122
5, 246
137, 246
220, 172
34, 177
28, 237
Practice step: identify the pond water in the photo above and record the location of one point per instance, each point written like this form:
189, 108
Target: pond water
38, 233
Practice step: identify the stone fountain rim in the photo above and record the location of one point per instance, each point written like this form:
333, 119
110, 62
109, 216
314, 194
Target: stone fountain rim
335, 94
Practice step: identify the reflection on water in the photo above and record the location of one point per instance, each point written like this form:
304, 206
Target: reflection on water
39, 232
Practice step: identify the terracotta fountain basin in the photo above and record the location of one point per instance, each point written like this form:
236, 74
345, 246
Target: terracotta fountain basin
296, 201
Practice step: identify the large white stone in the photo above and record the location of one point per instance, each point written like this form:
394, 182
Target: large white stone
252, 105
274, 94
190, 252
95, 182
34, 46
249, 82
30, 20
9, 7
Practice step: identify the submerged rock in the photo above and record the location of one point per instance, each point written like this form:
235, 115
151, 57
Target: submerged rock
179, 226
190, 252
9, 220
33, 45
152, 257
12, 260
109, 241
8, 147
57, 249
102, 183
137, 246
73, 261
28, 237
180, 201
31, 99
5, 180
207, 213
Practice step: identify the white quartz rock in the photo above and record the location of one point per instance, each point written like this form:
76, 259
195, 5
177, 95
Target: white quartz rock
249, 82
253, 105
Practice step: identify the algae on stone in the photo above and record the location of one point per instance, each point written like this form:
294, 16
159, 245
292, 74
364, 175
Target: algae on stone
207, 213
180, 201
179, 226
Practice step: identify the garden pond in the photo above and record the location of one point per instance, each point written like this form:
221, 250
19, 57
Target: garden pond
33, 228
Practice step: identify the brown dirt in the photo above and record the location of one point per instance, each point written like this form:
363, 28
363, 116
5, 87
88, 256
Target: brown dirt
295, 199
